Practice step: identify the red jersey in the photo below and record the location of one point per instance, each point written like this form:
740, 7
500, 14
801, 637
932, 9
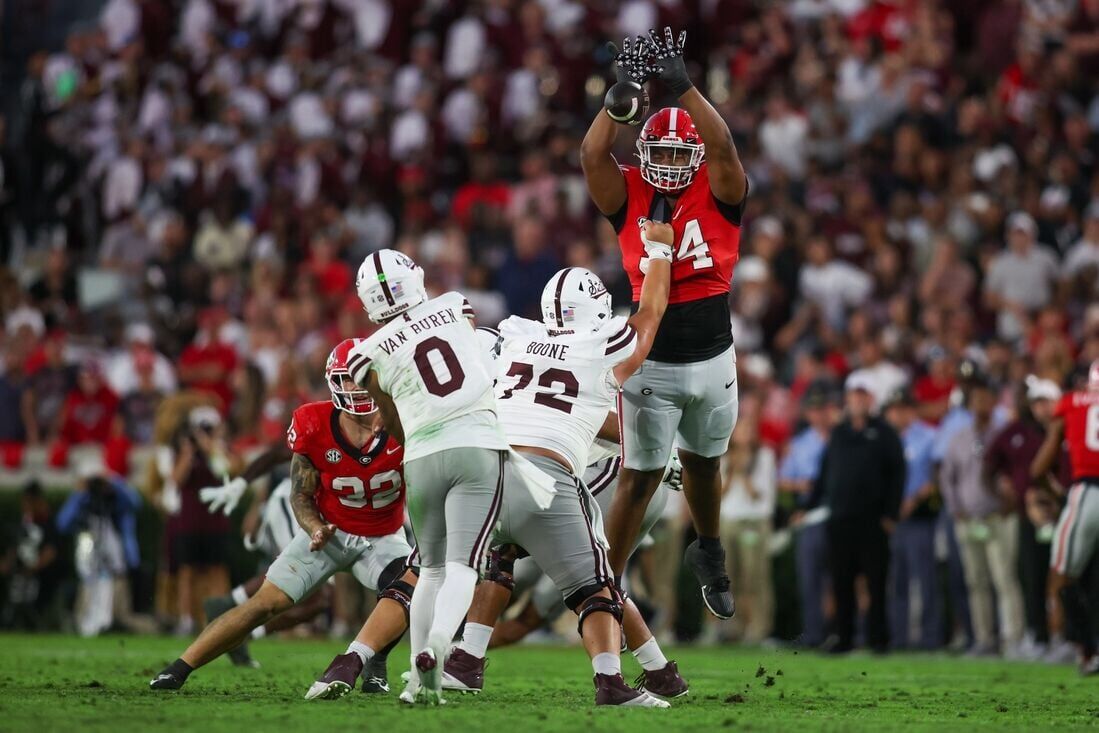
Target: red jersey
706, 244
1080, 411
362, 491
705, 248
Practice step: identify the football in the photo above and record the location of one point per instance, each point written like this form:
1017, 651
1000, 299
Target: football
626, 102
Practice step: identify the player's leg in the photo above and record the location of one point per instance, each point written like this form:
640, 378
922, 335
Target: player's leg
426, 496
1075, 542
465, 667
648, 412
565, 541
471, 508
296, 573
217, 605
659, 676
704, 431
367, 654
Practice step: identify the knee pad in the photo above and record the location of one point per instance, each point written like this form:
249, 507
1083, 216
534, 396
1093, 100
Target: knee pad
401, 592
392, 572
598, 604
501, 566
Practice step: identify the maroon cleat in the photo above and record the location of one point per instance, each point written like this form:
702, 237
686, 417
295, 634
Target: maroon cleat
338, 680
611, 689
665, 683
464, 672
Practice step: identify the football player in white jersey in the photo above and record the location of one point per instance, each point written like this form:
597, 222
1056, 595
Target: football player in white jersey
557, 380
424, 369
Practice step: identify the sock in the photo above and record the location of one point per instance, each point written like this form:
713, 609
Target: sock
709, 544
649, 656
451, 605
239, 595
421, 613
606, 663
259, 632
364, 651
475, 640
180, 669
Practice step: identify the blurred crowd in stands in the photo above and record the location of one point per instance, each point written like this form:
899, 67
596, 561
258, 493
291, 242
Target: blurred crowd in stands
188, 186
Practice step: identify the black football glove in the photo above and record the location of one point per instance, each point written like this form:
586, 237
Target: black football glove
633, 62
668, 57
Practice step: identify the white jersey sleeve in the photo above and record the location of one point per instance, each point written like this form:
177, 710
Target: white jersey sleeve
554, 389
430, 361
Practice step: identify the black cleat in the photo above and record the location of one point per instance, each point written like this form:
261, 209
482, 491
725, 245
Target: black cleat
665, 683
375, 677
166, 681
709, 568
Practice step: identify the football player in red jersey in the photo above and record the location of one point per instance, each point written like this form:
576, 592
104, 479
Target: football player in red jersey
1076, 538
348, 495
689, 175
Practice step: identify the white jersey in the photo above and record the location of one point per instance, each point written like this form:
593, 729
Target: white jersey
430, 361
555, 388
277, 523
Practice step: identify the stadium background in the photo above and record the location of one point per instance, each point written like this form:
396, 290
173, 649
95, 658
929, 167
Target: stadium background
181, 173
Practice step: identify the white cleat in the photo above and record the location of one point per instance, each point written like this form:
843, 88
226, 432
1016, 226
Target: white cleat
327, 690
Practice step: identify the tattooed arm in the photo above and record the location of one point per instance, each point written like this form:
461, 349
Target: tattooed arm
304, 480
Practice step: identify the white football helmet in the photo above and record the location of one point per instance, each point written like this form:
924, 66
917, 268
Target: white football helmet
575, 299
389, 283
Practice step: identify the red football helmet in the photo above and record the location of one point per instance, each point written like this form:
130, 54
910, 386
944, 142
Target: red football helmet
671, 150
355, 401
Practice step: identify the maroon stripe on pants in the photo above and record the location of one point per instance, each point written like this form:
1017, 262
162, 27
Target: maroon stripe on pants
602, 565
490, 520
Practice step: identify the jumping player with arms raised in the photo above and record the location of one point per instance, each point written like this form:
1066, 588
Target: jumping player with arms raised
1076, 538
424, 369
690, 176
348, 496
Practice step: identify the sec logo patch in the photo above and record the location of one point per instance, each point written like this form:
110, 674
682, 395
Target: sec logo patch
333, 455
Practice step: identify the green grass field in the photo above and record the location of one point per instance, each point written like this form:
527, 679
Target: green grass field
52, 683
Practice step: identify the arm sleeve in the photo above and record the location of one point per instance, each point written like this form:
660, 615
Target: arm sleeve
358, 364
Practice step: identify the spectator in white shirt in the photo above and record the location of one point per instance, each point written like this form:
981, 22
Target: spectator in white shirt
833, 285
122, 369
1020, 279
783, 136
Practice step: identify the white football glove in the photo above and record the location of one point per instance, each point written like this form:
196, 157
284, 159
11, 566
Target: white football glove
673, 476
223, 498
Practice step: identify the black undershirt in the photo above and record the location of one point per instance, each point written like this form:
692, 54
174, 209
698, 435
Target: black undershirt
693, 331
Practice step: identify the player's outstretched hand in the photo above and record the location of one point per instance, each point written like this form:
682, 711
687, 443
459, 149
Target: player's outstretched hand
320, 536
223, 498
668, 58
633, 62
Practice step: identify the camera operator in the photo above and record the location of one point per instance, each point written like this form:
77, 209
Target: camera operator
102, 513
202, 538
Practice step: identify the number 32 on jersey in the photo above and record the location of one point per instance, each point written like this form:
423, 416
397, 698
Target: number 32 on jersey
692, 246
